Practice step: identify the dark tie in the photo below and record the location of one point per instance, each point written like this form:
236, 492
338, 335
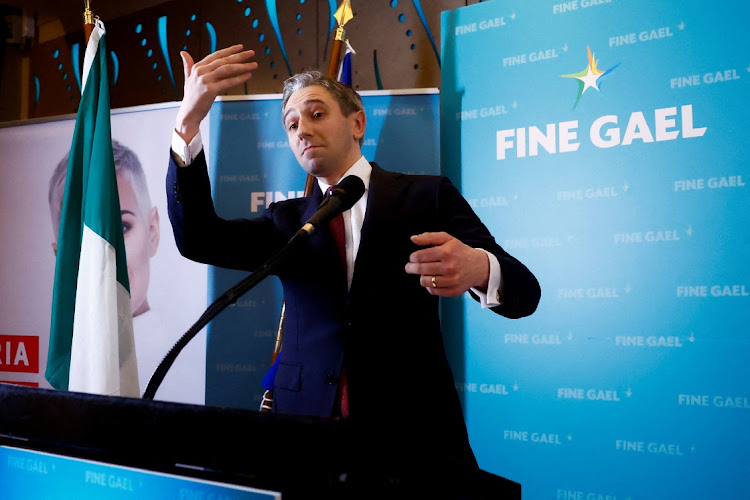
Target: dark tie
336, 226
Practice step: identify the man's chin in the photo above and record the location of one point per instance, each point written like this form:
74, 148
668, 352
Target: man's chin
314, 168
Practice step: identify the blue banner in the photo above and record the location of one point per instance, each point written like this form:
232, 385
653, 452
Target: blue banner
604, 144
30, 474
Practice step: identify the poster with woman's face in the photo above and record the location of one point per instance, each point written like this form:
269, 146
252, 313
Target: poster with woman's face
168, 292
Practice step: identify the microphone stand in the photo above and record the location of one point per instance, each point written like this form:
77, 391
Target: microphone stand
226, 299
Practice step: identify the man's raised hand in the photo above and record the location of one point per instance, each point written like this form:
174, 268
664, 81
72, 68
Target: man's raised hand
206, 79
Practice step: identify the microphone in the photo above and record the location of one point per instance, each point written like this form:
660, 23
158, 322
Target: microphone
342, 198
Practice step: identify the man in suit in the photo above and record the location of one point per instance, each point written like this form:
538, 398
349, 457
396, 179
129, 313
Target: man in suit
361, 337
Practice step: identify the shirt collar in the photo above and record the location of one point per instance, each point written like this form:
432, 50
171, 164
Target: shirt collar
361, 169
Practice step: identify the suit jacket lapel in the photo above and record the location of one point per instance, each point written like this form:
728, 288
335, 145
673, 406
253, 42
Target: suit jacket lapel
382, 206
313, 201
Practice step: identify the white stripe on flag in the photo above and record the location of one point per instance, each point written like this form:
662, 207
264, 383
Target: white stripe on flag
91, 47
102, 306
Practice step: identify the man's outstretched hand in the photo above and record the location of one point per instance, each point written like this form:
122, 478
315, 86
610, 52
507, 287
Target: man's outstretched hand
446, 266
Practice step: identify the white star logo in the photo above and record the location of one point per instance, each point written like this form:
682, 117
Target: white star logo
589, 77
589, 80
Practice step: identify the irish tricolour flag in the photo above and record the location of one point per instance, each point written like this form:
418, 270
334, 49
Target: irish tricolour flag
91, 335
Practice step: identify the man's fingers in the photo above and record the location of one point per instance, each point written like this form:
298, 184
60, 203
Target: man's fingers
227, 78
446, 266
426, 269
430, 254
228, 83
425, 239
219, 71
440, 281
219, 54
440, 285
210, 63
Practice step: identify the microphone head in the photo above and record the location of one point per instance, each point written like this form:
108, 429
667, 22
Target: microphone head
342, 198
348, 191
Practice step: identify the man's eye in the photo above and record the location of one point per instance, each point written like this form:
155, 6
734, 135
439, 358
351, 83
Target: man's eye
318, 114
292, 126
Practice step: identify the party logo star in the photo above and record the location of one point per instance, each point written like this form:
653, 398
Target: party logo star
589, 78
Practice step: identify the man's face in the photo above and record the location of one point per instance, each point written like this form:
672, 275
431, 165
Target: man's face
141, 232
325, 142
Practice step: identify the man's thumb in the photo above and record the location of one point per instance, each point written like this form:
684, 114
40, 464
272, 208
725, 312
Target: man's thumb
187, 63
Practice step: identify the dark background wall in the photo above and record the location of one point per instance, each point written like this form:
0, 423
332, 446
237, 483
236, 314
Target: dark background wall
397, 44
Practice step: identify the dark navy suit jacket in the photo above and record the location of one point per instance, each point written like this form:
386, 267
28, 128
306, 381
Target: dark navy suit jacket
385, 328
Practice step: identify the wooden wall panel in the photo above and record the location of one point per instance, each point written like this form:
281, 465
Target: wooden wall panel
53, 72
397, 44
145, 76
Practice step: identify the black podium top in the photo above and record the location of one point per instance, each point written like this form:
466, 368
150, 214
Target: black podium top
302, 457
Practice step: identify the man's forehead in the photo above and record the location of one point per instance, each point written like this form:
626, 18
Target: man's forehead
308, 95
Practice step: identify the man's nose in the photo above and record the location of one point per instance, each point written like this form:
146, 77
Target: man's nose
302, 128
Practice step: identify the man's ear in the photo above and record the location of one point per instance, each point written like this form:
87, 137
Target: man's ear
359, 124
154, 231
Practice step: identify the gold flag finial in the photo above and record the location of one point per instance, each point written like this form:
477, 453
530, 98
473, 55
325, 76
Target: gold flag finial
344, 13
88, 21
88, 16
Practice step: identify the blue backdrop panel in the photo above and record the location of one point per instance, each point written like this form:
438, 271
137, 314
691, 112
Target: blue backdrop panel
251, 166
605, 144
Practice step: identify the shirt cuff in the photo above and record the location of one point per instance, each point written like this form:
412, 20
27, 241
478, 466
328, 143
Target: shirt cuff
491, 297
186, 152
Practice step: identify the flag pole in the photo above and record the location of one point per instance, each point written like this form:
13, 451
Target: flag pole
88, 22
343, 15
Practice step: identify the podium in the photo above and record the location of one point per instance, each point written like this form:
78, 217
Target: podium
298, 456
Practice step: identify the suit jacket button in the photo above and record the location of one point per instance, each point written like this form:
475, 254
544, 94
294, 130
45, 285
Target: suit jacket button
177, 195
332, 379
